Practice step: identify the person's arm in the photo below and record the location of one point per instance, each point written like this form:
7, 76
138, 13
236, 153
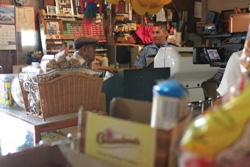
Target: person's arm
106, 68
140, 61
65, 49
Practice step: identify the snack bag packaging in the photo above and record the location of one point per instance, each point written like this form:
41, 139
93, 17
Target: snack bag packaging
221, 137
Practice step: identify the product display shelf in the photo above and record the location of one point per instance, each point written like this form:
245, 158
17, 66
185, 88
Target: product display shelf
59, 29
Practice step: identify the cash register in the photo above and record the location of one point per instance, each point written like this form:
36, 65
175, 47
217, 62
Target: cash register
183, 69
214, 57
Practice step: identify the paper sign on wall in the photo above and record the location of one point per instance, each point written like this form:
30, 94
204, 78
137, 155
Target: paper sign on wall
25, 19
7, 27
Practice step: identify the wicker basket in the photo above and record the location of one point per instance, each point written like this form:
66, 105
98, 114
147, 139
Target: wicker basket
66, 94
25, 95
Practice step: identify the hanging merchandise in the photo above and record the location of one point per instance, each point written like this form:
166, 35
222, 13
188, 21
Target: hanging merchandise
82, 6
91, 8
144, 33
90, 12
161, 16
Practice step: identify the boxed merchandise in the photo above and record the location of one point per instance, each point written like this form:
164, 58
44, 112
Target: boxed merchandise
130, 141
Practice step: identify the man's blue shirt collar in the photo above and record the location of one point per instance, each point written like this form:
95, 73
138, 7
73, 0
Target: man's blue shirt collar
153, 45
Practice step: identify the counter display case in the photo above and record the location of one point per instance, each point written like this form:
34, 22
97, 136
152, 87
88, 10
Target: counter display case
16, 126
34, 126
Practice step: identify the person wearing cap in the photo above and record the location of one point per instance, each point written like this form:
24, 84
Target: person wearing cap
159, 36
85, 53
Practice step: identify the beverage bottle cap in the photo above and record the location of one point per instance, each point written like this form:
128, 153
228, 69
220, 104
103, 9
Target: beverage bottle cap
171, 88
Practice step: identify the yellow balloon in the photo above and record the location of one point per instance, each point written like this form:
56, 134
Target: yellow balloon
150, 6
155, 3
153, 9
164, 2
144, 2
138, 7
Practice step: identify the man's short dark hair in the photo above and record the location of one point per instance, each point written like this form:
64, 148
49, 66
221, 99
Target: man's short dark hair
162, 24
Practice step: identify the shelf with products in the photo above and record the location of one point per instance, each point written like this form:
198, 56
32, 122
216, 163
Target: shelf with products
78, 16
56, 30
52, 32
70, 36
54, 45
123, 28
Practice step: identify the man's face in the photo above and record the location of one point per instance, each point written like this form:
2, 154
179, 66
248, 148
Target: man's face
88, 53
159, 35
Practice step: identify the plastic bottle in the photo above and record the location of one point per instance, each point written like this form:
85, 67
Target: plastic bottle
170, 101
5, 92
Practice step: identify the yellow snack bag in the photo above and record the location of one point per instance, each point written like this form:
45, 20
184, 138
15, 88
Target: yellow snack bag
221, 135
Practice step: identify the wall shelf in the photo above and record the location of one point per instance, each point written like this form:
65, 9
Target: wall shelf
56, 31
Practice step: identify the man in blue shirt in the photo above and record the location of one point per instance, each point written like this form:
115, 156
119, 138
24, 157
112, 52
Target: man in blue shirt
159, 36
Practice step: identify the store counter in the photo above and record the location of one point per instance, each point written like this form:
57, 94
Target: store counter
17, 117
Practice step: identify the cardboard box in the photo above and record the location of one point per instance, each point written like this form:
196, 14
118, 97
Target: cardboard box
37, 156
45, 156
130, 142
133, 110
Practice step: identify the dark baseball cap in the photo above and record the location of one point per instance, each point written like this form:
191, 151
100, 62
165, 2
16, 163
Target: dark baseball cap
78, 43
